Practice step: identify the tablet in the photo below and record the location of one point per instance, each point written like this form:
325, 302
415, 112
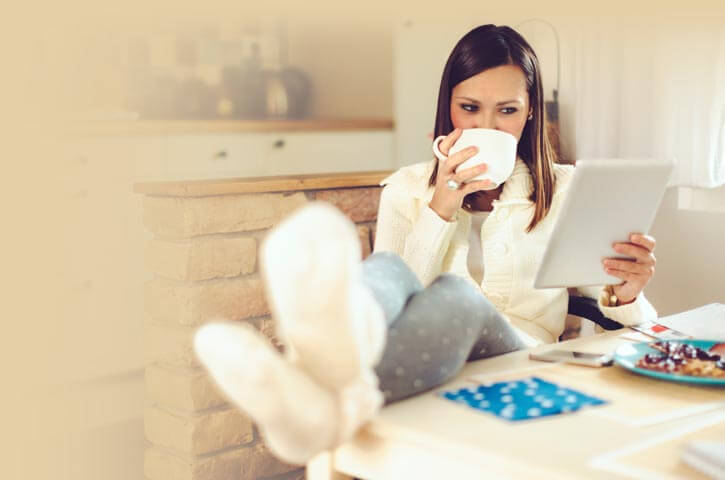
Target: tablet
607, 200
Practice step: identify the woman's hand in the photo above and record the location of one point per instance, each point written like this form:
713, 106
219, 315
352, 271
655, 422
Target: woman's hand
446, 202
634, 273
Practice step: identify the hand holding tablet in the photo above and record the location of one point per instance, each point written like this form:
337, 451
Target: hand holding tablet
635, 271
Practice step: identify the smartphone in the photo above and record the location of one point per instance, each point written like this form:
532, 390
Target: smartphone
577, 358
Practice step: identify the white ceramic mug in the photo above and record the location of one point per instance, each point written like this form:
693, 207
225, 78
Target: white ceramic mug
496, 149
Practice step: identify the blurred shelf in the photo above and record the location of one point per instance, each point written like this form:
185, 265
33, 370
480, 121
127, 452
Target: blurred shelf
287, 183
163, 127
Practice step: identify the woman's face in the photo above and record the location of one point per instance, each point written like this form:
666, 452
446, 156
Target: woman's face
495, 98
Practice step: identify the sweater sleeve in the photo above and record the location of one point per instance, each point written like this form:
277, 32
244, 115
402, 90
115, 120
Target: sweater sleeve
640, 310
421, 242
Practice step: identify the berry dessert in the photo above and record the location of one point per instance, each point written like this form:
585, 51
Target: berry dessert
683, 359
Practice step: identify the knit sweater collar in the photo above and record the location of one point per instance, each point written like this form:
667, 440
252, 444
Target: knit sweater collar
414, 179
518, 188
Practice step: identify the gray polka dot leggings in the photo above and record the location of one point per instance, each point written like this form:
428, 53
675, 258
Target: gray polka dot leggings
432, 332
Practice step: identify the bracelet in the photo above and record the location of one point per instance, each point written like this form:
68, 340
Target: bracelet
611, 298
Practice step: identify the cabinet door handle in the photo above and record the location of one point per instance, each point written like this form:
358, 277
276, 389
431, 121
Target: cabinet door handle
82, 193
220, 155
278, 143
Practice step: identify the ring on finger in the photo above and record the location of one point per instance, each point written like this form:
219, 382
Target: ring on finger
452, 184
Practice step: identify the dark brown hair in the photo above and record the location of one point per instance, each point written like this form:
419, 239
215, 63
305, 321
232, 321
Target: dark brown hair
491, 46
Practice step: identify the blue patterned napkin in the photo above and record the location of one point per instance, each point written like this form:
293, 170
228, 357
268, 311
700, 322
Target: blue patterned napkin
522, 399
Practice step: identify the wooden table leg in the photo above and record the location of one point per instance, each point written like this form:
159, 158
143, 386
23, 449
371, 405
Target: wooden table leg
322, 468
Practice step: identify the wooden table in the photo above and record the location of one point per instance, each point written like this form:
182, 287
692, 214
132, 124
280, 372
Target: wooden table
638, 434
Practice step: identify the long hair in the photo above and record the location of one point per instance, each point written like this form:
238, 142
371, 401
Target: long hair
491, 46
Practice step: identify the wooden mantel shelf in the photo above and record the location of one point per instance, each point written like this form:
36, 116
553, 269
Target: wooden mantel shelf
161, 127
287, 183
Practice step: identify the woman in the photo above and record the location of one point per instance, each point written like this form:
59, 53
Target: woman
436, 292
492, 80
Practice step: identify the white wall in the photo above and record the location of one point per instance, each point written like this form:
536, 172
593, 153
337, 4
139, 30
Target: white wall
690, 258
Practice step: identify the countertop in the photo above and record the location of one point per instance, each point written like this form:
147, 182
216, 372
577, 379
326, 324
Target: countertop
286, 183
160, 127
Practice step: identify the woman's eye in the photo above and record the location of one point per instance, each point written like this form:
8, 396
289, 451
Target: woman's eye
509, 110
469, 108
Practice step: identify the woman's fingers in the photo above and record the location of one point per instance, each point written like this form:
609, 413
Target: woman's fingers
635, 272
628, 266
621, 274
448, 142
639, 253
469, 173
476, 186
450, 165
645, 241
631, 281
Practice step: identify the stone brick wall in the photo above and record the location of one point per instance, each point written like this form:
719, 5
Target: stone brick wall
205, 265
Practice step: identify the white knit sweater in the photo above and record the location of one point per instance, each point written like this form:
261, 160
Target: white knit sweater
430, 246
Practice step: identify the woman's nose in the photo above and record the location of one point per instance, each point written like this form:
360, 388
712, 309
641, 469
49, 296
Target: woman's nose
486, 120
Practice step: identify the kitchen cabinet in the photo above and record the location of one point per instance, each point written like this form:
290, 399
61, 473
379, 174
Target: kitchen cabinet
201, 156
157, 151
103, 244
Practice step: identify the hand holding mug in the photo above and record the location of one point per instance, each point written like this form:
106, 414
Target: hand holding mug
446, 201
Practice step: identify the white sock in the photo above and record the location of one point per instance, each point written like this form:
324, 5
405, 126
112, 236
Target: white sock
297, 417
333, 327
333, 330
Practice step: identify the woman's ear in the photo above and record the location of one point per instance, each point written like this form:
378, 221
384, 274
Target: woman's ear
531, 113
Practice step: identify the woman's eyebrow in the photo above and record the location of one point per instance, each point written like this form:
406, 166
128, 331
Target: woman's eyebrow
514, 100
473, 100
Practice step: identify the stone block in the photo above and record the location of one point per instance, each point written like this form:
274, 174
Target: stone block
363, 233
359, 204
161, 464
245, 463
262, 463
170, 345
197, 434
194, 303
373, 232
266, 325
183, 389
185, 217
202, 258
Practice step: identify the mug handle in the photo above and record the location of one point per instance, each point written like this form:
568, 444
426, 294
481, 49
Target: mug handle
439, 155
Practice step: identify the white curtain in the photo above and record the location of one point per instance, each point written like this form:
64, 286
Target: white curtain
652, 89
